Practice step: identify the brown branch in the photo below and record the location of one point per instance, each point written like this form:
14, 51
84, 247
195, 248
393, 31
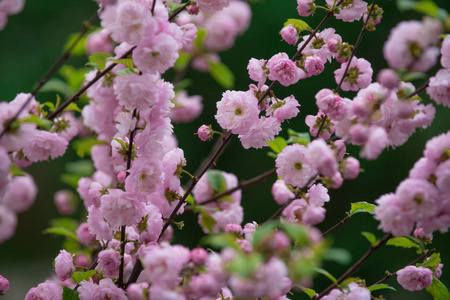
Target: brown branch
423, 87
337, 225
178, 11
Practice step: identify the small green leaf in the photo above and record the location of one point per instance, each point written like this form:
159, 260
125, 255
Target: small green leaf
44, 123
67, 223
277, 144
190, 200
432, 262
84, 146
71, 246
414, 76
427, 7
127, 62
180, 225
222, 74
182, 61
272, 155
15, 170
73, 106
402, 242
174, 6
217, 181
74, 77
438, 290
60, 231
327, 274
70, 179
245, 264
361, 207
339, 255
79, 48
200, 39
69, 294
208, 222
380, 286
57, 85
296, 232
80, 276
98, 59
302, 138
82, 167
226, 198
220, 241
371, 238
262, 232
310, 292
299, 25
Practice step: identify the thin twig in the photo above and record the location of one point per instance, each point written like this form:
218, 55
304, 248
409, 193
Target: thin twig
337, 225
355, 266
178, 11
423, 87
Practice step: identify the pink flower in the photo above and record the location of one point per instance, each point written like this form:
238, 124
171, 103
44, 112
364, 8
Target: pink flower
322, 158
109, 262
84, 235
315, 122
305, 7
281, 193
125, 123
289, 34
205, 133
4, 285
388, 78
173, 163
199, 256
210, 6
392, 217
257, 70
99, 41
137, 291
293, 167
314, 65
351, 168
283, 109
419, 198
106, 289
186, 108
237, 111
323, 44
439, 87
420, 234
65, 202
222, 32
64, 267
145, 176
378, 140
359, 75
45, 145
46, 290
443, 176
262, 131
351, 10
354, 291
8, 223
151, 225
136, 91
284, 70
20, 194
121, 208
331, 104
97, 224
318, 195
414, 278
445, 51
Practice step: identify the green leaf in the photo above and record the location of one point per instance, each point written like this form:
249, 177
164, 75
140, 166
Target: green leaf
302, 138
438, 290
79, 48
208, 222
310, 292
272, 155
126, 71
220, 241
72, 246
226, 198
174, 6
82, 167
182, 61
60, 231
190, 200
299, 25
200, 39
180, 224
73, 106
402, 242
183, 84
69, 294
57, 85
245, 264
371, 238
414, 76
67, 223
262, 232
327, 274
74, 77
380, 286
426, 7
361, 207
15, 170
277, 144
127, 62
432, 262
44, 123
84, 146
70, 179
217, 181
99, 59
296, 232
80, 276
339, 255
222, 74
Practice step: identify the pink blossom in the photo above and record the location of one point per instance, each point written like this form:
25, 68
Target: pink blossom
106, 289
249, 230
65, 202
137, 291
420, 234
359, 75
423, 169
4, 285
281, 193
331, 104
359, 134
173, 163
283, 109
46, 290
45, 145
418, 197
121, 208
305, 7
125, 123
445, 51
232, 214
351, 168
84, 235
392, 217
257, 70
294, 211
158, 291
439, 87
233, 228
65, 126
145, 176
351, 10
318, 195
166, 200
99, 41
443, 176
413, 278
284, 70
388, 78
241, 13
262, 131
237, 111
198, 256
222, 32
205, 285
313, 215
314, 65
205, 133
322, 158
438, 271
354, 291
8, 223
151, 225
315, 122
20, 194
289, 34
293, 167
64, 267
21, 136
210, 6
435, 147
378, 140
319, 44
109, 262
136, 91
97, 224
186, 108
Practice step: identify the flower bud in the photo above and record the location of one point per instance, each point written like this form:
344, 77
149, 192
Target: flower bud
388, 78
289, 34
205, 133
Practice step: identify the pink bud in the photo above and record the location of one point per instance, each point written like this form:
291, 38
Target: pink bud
4, 285
414, 278
205, 133
333, 45
280, 241
198, 256
82, 261
337, 180
192, 9
64, 267
388, 78
351, 168
420, 234
65, 202
233, 228
359, 134
438, 271
289, 34
121, 176
314, 65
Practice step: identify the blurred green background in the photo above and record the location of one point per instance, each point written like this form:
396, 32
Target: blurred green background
33, 40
